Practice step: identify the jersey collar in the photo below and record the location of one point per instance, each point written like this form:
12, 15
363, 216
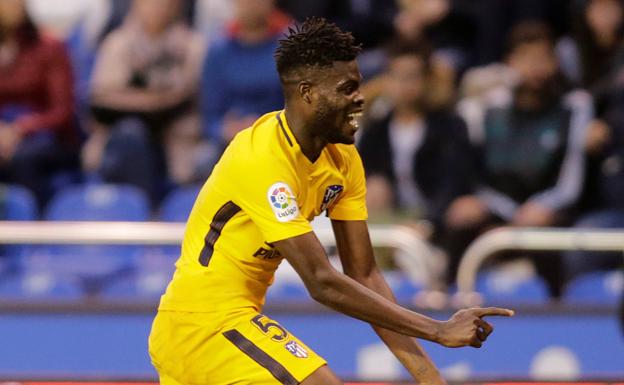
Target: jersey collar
281, 119
292, 141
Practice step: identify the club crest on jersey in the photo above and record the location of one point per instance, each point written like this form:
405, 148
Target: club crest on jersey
283, 202
331, 194
296, 349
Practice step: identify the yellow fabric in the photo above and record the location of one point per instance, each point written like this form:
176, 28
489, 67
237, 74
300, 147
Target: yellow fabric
262, 190
191, 348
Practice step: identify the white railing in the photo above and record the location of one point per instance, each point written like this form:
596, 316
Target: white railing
527, 239
415, 255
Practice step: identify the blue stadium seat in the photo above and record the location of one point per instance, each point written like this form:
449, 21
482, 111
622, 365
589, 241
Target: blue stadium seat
177, 205
151, 273
99, 202
403, 288
288, 292
105, 202
16, 204
604, 288
141, 286
39, 286
287, 286
501, 287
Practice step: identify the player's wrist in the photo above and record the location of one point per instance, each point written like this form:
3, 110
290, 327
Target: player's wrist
427, 328
437, 334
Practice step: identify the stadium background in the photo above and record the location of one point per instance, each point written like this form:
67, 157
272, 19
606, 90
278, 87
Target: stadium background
83, 312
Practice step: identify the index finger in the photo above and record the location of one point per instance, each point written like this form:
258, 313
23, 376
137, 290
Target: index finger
488, 311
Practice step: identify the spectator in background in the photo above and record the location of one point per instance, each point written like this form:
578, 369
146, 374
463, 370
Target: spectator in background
587, 55
531, 142
239, 80
370, 21
211, 16
417, 160
495, 18
605, 203
449, 32
97, 20
146, 126
448, 26
38, 145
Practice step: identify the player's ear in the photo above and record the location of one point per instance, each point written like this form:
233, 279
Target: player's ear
305, 91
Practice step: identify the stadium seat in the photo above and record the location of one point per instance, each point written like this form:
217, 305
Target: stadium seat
287, 286
177, 205
288, 292
604, 288
99, 202
39, 286
95, 264
403, 288
501, 287
150, 275
16, 204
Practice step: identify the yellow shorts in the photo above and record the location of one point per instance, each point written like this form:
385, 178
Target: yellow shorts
242, 348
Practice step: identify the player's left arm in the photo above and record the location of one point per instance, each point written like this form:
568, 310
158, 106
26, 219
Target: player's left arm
358, 262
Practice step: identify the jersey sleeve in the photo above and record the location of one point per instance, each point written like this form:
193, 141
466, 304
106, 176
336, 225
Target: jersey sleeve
269, 194
351, 205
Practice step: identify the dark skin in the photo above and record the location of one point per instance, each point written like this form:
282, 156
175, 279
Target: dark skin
318, 105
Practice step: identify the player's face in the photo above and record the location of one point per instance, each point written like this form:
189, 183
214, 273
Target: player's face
338, 105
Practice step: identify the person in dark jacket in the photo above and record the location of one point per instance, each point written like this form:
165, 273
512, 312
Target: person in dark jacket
531, 145
416, 159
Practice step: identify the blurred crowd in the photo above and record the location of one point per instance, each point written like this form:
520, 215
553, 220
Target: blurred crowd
480, 113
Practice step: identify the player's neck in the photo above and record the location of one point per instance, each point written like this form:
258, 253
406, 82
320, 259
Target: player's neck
310, 144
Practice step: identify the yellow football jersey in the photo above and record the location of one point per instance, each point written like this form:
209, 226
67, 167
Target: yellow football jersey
262, 190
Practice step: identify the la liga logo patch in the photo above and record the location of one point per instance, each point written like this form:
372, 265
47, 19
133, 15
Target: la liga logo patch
281, 197
283, 202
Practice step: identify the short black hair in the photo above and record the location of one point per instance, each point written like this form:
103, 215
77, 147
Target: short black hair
315, 43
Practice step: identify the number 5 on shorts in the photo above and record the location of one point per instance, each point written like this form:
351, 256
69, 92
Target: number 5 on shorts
265, 327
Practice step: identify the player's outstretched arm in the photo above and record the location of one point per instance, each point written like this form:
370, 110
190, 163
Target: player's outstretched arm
358, 262
331, 288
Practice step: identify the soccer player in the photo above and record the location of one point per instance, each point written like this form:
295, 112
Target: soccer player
254, 211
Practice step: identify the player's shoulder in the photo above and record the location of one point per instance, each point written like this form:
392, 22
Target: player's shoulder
346, 152
346, 149
260, 143
346, 158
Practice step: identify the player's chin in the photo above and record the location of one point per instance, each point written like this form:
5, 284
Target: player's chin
347, 138
343, 139
348, 134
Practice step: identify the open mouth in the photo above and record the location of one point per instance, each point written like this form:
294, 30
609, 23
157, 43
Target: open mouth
354, 119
